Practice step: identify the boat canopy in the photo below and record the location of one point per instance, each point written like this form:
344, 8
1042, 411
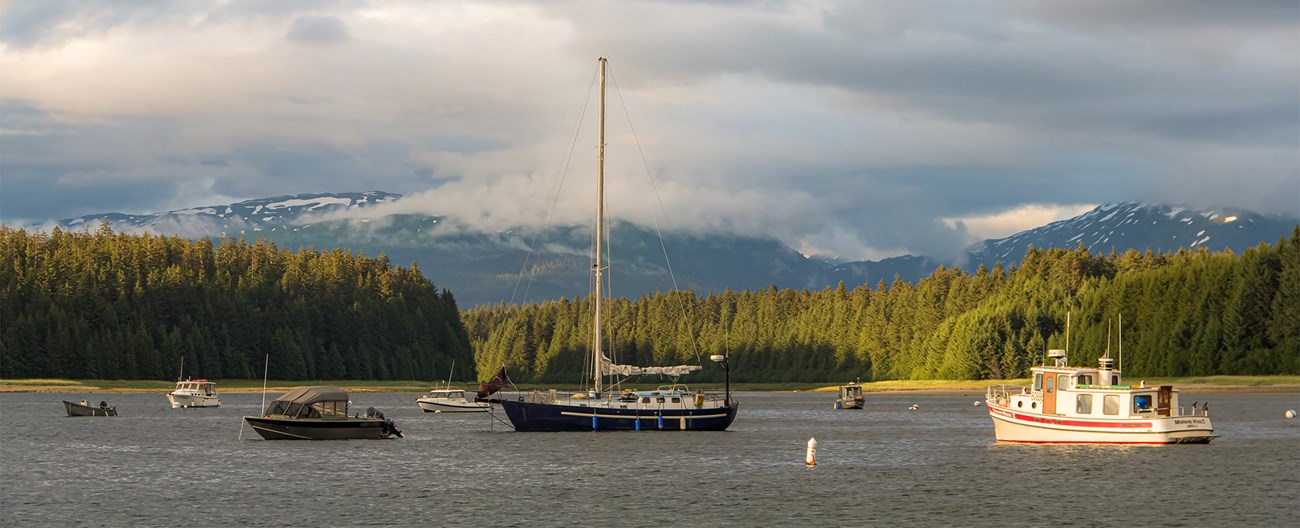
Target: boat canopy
310, 402
310, 395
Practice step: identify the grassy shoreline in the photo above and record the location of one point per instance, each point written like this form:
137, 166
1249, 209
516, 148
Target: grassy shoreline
1243, 384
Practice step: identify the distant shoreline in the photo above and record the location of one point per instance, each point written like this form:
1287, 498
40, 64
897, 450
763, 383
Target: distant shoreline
1210, 384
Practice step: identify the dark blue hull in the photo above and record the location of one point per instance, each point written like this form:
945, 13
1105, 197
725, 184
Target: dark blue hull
527, 416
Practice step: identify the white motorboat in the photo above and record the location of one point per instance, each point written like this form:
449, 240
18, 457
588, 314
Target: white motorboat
194, 393
450, 400
1079, 405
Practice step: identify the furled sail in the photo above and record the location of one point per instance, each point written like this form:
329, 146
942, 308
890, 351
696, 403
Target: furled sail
610, 368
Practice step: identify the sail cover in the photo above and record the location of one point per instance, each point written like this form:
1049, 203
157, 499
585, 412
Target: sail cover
610, 368
487, 388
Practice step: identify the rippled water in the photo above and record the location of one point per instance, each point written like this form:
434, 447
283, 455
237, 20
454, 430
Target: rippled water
885, 466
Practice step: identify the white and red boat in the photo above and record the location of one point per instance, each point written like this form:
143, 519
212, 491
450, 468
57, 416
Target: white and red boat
1080, 405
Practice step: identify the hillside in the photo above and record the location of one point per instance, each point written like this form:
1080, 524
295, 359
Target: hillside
492, 267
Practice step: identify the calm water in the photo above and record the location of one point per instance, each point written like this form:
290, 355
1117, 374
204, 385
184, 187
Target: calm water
886, 466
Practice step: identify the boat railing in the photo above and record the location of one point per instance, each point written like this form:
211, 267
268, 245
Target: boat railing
1003, 393
1197, 410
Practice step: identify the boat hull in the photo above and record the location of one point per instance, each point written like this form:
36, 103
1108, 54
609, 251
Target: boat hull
77, 409
528, 416
453, 406
1021, 427
185, 401
850, 404
318, 429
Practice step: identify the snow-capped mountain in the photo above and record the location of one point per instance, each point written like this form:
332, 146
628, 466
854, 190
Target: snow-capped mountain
482, 268
1140, 226
250, 218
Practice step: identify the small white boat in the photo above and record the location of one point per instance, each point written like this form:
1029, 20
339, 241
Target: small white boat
1078, 405
194, 393
450, 400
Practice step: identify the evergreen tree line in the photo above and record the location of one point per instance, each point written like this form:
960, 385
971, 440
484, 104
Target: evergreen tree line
1187, 313
113, 306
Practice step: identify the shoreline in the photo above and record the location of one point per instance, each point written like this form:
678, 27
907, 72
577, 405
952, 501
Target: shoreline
1219, 385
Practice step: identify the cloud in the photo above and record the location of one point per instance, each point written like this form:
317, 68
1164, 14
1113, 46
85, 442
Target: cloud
853, 128
317, 30
1009, 222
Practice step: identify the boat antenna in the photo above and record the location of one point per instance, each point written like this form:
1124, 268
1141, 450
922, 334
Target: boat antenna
265, 370
1067, 333
1107, 354
266, 364
449, 372
181, 375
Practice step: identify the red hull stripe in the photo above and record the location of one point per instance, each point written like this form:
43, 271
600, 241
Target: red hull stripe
1076, 423
1078, 442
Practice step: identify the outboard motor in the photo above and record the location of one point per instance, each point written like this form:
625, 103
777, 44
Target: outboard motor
388, 428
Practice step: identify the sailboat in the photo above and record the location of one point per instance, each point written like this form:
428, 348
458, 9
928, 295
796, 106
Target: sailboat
670, 408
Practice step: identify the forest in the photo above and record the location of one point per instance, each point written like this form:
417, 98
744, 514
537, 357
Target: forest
1188, 313
105, 305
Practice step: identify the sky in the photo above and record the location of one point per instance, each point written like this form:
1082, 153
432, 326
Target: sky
856, 129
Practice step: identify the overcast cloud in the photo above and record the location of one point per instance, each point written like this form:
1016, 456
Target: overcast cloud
858, 129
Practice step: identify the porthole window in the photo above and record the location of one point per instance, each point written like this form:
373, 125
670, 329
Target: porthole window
1020, 404
1033, 405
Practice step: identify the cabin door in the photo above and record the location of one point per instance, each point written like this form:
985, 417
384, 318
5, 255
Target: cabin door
1049, 393
1164, 400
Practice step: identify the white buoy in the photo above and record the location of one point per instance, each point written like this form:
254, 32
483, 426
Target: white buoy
1290, 413
976, 403
811, 459
914, 407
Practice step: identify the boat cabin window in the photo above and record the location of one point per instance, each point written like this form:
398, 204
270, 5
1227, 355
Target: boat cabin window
1114, 379
1110, 404
1142, 403
1083, 404
1085, 379
294, 409
1049, 384
456, 394
645, 399
278, 407
330, 409
1038, 382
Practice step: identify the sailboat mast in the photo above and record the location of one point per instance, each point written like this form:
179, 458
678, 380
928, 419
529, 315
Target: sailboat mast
600, 228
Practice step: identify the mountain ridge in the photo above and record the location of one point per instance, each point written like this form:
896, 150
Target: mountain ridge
488, 268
